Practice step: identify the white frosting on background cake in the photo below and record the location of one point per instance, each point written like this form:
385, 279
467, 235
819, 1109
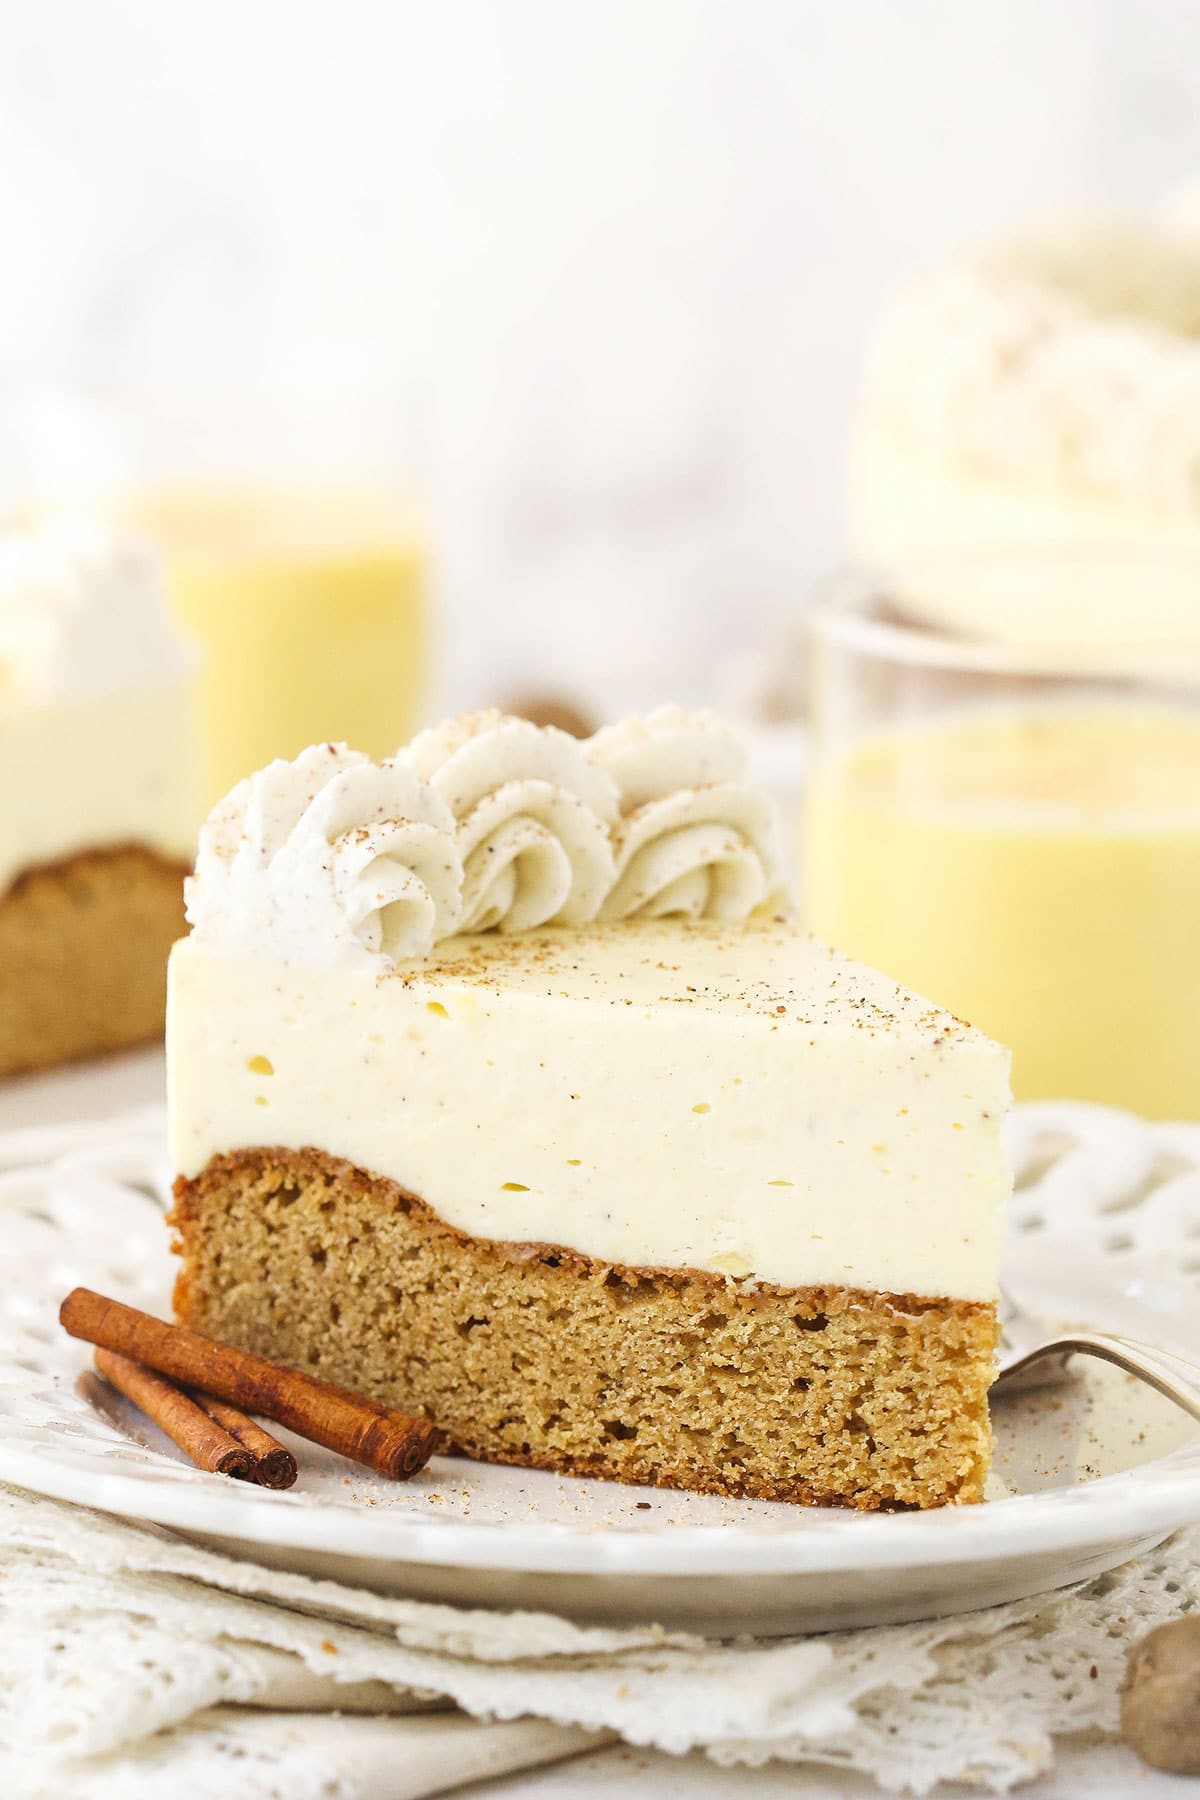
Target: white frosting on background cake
98, 733
484, 822
1044, 396
83, 613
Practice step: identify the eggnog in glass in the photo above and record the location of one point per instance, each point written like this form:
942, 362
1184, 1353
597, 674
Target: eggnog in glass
293, 552
1015, 830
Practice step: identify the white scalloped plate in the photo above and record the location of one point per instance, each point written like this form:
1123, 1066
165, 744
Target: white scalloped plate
1106, 1231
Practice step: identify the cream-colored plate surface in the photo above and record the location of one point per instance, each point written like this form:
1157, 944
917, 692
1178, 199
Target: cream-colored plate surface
1105, 1231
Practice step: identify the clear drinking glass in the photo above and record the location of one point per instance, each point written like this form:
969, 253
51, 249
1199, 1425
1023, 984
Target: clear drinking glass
1015, 831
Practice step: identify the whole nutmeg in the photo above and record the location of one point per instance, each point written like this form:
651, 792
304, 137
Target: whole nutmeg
551, 709
1160, 1697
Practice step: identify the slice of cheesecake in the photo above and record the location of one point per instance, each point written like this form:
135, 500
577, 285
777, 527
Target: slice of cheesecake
673, 1199
99, 794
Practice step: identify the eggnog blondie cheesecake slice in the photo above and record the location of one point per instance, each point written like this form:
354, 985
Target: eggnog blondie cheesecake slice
503, 1087
99, 793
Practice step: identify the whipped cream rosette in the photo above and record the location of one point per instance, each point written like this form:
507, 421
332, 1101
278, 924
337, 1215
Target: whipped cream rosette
331, 858
484, 823
1073, 365
534, 819
694, 837
83, 613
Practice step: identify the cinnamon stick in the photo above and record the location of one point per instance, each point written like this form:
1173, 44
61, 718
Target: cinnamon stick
353, 1425
274, 1464
202, 1440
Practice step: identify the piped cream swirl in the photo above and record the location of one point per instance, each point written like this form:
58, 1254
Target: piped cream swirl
484, 823
533, 819
332, 858
694, 837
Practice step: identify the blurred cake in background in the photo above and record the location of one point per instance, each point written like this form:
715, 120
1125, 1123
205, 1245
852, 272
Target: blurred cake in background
99, 793
1042, 395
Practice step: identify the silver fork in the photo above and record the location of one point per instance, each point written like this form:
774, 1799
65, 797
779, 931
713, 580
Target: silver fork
1030, 1359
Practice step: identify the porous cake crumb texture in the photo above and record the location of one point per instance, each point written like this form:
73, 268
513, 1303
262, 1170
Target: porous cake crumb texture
83, 955
535, 1355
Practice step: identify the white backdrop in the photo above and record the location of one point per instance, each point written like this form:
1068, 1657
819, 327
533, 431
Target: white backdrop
616, 258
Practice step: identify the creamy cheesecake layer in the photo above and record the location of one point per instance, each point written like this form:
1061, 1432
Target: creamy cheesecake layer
728, 1098
88, 772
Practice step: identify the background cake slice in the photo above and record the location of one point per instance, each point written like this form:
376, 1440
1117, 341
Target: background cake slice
670, 1198
1039, 398
99, 795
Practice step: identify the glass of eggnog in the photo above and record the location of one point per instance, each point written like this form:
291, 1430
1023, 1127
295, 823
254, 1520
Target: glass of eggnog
1007, 818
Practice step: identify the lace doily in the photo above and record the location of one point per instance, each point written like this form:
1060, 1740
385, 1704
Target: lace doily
133, 1662
123, 1654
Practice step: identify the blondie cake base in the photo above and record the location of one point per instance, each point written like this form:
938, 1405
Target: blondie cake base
538, 1356
83, 955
